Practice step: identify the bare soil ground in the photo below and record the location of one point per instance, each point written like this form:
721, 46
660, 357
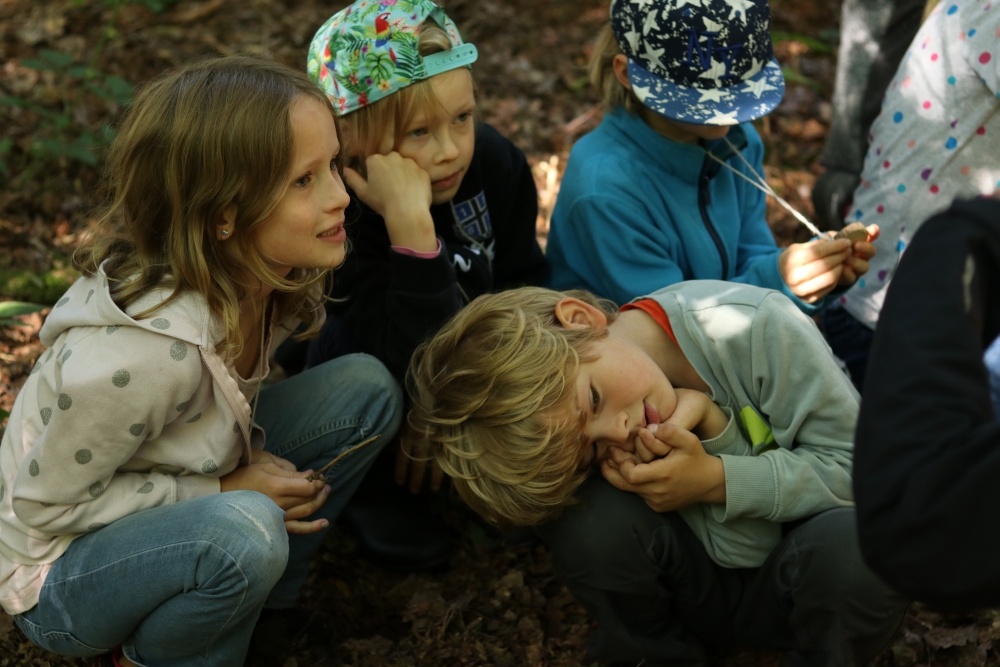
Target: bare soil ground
494, 604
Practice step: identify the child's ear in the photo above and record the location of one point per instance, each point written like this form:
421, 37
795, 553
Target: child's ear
225, 229
573, 313
620, 67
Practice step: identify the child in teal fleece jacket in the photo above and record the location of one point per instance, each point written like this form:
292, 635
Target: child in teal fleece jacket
668, 187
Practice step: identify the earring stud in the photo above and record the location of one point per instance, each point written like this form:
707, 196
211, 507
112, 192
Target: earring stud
225, 232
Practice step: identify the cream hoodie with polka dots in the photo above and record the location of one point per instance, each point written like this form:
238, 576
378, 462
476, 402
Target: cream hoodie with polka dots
118, 416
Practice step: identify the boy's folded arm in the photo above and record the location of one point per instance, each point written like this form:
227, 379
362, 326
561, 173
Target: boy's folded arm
68, 482
811, 408
612, 240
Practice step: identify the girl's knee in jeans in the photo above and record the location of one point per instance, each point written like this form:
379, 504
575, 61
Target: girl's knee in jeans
370, 381
250, 527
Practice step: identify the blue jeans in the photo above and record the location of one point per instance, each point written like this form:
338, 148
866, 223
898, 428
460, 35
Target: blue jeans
183, 584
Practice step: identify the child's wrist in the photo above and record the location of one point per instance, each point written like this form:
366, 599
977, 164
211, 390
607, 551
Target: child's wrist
716, 493
411, 229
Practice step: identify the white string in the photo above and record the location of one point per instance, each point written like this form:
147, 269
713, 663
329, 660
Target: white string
762, 185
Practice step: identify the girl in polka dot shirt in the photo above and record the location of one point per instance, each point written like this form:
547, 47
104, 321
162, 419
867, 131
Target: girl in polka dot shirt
153, 499
936, 139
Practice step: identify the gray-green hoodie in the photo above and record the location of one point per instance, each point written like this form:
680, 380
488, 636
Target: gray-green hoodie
789, 445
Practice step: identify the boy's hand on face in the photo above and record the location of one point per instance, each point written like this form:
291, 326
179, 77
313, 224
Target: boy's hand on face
400, 191
696, 412
684, 476
811, 270
856, 265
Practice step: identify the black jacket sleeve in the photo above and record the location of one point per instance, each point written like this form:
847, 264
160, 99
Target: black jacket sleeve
927, 459
513, 198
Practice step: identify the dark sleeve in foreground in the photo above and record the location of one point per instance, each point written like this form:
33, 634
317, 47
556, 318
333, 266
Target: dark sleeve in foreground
927, 458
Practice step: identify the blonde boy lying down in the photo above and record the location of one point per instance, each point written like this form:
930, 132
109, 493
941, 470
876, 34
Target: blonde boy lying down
716, 402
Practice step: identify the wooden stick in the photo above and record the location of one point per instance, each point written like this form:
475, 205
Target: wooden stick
318, 474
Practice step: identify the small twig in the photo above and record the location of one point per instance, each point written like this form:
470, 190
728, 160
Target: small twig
318, 474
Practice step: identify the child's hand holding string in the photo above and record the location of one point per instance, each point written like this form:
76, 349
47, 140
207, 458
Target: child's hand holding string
277, 479
400, 191
813, 269
856, 264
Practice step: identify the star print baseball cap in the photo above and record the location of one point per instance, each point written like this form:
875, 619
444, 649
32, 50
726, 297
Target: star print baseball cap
705, 62
370, 50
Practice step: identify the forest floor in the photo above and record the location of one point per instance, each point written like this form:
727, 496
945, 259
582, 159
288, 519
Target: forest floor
493, 604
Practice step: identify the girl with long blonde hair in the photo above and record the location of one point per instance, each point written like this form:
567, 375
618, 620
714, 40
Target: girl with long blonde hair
144, 517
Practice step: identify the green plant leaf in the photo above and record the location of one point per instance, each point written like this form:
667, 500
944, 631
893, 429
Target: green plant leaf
11, 309
36, 287
57, 58
13, 101
4, 414
34, 63
78, 71
120, 89
155, 6
794, 77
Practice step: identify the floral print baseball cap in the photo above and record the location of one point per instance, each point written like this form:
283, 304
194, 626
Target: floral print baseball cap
369, 50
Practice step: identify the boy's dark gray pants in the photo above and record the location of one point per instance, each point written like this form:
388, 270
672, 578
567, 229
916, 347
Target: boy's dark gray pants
657, 597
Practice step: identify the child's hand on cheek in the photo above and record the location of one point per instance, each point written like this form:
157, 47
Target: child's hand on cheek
400, 191
684, 476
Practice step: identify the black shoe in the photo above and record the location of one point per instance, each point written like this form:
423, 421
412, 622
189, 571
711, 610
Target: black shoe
832, 196
397, 530
281, 632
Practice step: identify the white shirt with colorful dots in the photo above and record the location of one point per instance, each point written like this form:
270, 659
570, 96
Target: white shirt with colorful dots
936, 139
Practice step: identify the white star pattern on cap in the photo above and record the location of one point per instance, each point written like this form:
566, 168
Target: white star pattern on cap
755, 66
758, 87
641, 92
740, 6
715, 72
712, 95
650, 22
642, 3
652, 57
681, 3
710, 25
633, 39
719, 118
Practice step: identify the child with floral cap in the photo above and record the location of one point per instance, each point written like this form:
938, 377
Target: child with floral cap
670, 185
443, 207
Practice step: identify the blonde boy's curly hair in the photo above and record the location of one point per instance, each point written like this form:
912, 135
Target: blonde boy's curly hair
491, 403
